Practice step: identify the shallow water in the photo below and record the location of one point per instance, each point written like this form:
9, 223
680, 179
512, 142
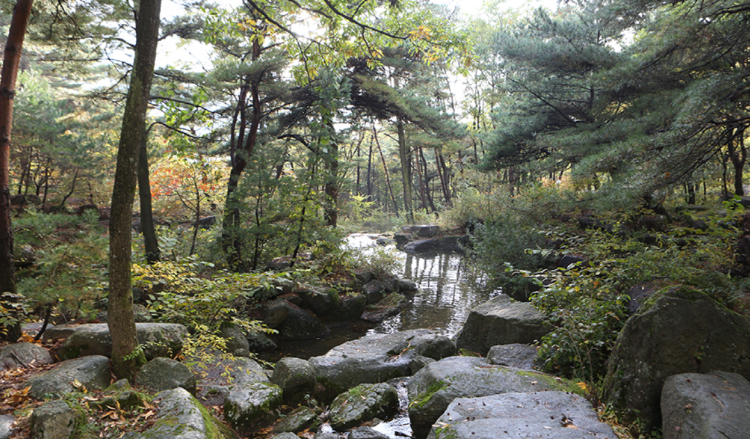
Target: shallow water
448, 290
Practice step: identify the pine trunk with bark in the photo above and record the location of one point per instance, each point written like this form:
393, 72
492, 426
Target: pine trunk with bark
404, 153
121, 322
153, 255
11, 60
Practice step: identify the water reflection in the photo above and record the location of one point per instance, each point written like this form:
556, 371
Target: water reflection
448, 289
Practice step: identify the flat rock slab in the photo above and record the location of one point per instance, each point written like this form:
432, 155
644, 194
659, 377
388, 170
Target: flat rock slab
376, 359
558, 415
23, 355
422, 245
712, 405
434, 387
6, 426
501, 321
519, 356
92, 372
163, 339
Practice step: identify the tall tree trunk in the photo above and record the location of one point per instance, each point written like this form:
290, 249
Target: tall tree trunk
369, 171
332, 181
121, 321
420, 181
230, 240
153, 255
385, 170
404, 153
738, 156
12, 57
444, 174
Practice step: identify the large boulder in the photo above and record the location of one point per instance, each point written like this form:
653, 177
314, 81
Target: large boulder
713, 405
685, 331
53, 420
248, 406
92, 372
349, 309
300, 324
163, 374
558, 415
367, 433
378, 358
318, 301
236, 341
454, 243
219, 375
501, 321
159, 339
434, 387
519, 356
363, 403
299, 419
181, 416
23, 355
295, 376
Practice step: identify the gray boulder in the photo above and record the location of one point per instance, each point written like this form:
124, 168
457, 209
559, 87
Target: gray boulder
425, 231
377, 358
163, 374
374, 291
92, 372
434, 387
363, 403
160, 340
23, 355
6, 426
349, 309
367, 433
181, 416
53, 420
407, 286
558, 415
259, 342
454, 243
300, 324
501, 321
236, 341
285, 436
248, 406
713, 405
685, 331
422, 245
295, 376
219, 375
299, 419
519, 356
320, 302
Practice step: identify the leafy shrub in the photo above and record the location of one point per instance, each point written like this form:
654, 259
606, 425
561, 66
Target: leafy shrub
69, 274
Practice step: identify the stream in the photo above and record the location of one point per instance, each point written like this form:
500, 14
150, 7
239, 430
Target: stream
448, 290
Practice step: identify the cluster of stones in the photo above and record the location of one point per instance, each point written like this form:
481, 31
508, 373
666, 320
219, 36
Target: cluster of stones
423, 238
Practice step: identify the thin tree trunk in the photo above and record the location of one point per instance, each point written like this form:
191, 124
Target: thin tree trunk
738, 158
72, 188
148, 228
125, 358
12, 57
404, 153
369, 170
385, 170
231, 243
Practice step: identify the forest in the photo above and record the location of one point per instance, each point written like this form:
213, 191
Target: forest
196, 144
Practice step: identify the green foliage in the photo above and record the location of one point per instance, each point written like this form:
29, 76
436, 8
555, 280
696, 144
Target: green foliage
383, 262
188, 292
71, 260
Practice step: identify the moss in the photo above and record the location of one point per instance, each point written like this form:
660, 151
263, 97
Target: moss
432, 390
555, 383
445, 433
467, 353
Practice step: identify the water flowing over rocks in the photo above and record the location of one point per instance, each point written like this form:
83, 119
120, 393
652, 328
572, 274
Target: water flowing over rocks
378, 358
501, 321
685, 331
558, 415
713, 405
434, 387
